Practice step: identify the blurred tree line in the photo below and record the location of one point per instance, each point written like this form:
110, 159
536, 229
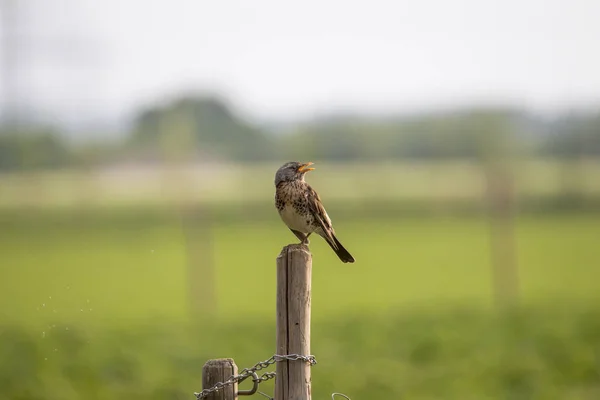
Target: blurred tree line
207, 128
32, 148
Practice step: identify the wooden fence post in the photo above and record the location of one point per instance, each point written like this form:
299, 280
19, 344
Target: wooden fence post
294, 271
219, 370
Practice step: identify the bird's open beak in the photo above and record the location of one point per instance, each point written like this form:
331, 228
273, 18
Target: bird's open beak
304, 167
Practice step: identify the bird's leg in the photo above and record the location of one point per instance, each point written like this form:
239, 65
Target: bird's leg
303, 238
307, 241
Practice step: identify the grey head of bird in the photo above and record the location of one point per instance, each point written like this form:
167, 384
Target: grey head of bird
292, 171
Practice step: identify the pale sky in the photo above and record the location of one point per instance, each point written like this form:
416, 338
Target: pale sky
277, 59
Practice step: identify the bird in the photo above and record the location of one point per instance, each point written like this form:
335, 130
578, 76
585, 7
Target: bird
301, 209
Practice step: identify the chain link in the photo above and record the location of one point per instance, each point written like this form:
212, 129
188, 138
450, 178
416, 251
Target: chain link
247, 372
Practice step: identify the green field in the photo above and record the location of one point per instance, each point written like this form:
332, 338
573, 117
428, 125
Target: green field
67, 264
130, 304
430, 181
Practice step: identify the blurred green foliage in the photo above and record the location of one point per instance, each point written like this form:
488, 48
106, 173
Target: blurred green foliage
541, 353
97, 305
203, 127
110, 303
207, 128
32, 150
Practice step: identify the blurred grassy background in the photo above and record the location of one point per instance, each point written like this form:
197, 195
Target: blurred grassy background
64, 268
457, 150
123, 301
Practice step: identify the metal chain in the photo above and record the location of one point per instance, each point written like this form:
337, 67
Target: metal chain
247, 372
266, 376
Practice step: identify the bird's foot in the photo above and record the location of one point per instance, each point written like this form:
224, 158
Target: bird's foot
305, 242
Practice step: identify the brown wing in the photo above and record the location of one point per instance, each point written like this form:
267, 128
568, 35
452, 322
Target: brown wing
318, 211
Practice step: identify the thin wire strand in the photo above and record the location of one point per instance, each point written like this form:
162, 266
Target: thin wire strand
339, 394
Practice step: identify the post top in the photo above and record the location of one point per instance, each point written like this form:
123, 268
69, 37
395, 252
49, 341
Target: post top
219, 361
295, 248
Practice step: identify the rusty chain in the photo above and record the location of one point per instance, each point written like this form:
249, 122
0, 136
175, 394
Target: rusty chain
248, 372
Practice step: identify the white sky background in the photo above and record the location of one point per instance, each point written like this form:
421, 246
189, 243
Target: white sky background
275, 59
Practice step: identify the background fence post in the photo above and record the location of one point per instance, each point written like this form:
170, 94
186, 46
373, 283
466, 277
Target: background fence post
294, 271
219, 370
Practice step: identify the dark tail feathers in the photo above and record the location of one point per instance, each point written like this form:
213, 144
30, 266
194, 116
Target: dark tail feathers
341, 252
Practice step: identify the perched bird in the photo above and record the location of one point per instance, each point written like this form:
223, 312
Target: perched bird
301, 209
